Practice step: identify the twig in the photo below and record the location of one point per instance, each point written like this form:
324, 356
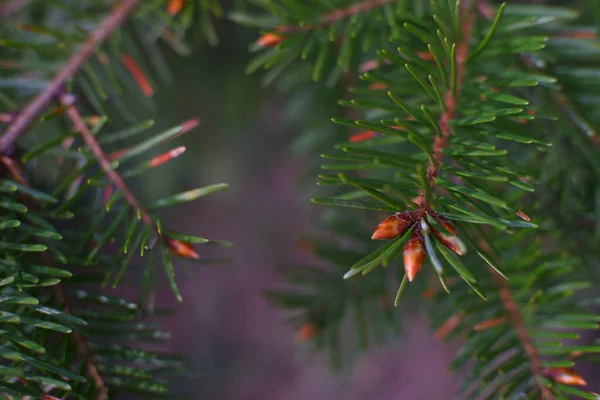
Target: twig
450, 99
524, 336
336, 15
39, 103
80, 126
12, 7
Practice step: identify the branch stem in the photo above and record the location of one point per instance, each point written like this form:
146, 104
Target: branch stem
81, 127
524, 337
24, 119
450, 98
336, 15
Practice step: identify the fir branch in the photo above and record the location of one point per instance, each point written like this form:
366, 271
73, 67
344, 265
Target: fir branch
336, 15
525, 338
24, 119
81, 127
12, 7
451, 98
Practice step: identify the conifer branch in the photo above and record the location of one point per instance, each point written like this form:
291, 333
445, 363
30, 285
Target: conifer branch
451, 98
81, 127
336, 15
525, 338
12, 7
24, 119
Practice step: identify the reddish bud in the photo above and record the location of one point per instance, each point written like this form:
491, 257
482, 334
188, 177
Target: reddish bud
189, 125
181, 248
270, 40
393, 226
448, 326
368, 66
175, 7
524, 216
362, 136
139, 76
414, 255
566, 376
490, 323
168, 156
307, 331
378, 86
450, 241
425, 55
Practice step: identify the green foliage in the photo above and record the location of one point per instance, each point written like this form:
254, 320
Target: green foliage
69, 229
483, 116
465, 120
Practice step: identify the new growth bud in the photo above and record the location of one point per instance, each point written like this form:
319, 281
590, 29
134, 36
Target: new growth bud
393, 226
414, 254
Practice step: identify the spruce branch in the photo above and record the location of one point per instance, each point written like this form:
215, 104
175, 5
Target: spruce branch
24, 119
81, 127
336, 15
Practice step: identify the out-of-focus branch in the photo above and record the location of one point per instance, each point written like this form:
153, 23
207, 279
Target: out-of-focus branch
24, 119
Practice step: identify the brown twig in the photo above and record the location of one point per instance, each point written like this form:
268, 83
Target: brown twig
12, 7
39, 103
336, 15
80, 126
450, 99
515, 316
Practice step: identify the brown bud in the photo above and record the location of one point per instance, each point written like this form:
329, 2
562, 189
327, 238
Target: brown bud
523, 216
490, 323
414, 255
175, 7
168, 156
566, 376
138, 75
378, 86
393, 226
181, 248
448, 326
270, 40
362, 136
450, 241
307, 331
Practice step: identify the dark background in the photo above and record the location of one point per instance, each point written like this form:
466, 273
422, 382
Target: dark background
238, 345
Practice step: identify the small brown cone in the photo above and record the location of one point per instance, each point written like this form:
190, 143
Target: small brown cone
182, 249
566, 376
414, 255
393, 226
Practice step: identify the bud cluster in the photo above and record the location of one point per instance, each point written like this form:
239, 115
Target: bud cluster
415, 250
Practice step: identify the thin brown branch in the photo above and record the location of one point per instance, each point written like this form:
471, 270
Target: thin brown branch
80, 126
451, 98
11, 7
336, 15
24, 119
525, 338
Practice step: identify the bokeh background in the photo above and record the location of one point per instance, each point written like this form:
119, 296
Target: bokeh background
238, 345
